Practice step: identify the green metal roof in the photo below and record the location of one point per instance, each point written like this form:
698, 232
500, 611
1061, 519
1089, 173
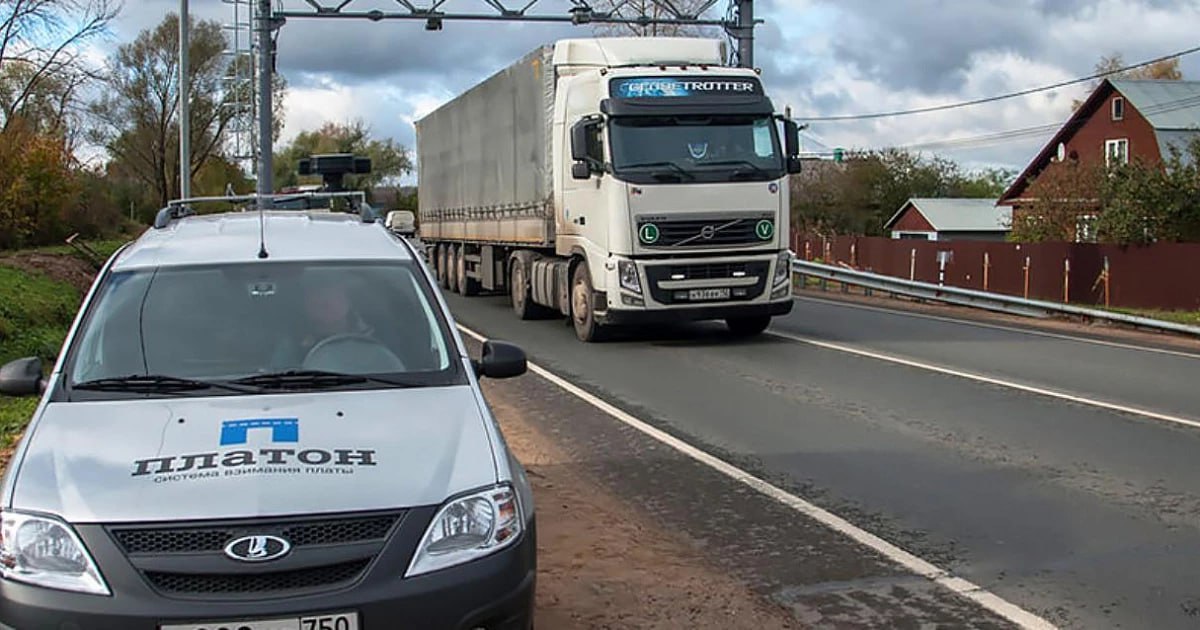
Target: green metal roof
1165, 104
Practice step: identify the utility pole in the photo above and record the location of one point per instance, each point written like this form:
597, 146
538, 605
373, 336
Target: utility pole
745, 33
185, 122
266, 53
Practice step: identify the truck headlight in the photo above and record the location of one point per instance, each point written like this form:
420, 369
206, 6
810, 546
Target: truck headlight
628, 272
468, 528
783, 268
45, 552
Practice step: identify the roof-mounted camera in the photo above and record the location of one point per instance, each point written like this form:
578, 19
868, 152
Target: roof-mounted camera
333, 168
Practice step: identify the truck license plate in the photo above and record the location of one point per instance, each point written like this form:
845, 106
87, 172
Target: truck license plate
697, 295
339, 621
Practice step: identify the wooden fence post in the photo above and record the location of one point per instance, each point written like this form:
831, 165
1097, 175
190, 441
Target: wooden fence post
1027, 261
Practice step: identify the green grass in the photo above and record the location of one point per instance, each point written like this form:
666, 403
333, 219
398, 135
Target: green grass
14, 415
1190, 318
104, 247
35, 312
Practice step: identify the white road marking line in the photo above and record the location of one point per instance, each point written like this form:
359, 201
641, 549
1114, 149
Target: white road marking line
1014, 329
1041, 391
992, 602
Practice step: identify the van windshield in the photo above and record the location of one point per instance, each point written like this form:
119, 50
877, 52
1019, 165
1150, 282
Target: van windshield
229, 323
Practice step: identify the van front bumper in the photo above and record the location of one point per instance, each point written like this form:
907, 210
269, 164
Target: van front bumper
495, 592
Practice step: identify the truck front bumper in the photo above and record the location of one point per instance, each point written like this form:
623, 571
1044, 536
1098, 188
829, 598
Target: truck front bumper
693, 313
697, 288
495, 592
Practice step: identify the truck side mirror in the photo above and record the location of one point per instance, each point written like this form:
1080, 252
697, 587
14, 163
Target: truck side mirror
22, 377
579, 140
791, 141
584, 135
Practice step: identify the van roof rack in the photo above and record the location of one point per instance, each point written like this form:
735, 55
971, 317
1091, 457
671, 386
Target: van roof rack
180, 208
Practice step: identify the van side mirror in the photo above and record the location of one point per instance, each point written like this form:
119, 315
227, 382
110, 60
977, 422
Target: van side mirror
501, 360
22, 377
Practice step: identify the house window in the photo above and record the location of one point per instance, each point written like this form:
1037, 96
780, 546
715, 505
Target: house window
1118, 108
1116, 152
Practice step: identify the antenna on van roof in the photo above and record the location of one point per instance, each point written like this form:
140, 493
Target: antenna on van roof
262, 232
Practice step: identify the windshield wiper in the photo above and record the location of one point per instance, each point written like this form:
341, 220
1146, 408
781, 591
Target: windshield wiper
155, 383
316, 379
677, 168
754, 167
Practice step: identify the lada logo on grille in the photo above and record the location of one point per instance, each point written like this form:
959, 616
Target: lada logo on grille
257, 548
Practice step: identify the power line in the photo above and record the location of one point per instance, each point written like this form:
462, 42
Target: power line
1001, 97
1024, 133
1027, 132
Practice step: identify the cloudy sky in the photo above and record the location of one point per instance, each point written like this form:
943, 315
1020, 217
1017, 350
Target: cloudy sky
820, 57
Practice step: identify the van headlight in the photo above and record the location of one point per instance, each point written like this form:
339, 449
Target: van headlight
627, 270
783, 268
468, 528
45, 552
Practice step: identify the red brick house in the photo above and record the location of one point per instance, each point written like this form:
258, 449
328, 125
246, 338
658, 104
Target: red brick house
1122, 120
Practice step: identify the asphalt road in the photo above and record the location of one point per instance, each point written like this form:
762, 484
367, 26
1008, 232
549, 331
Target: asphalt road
1084, 515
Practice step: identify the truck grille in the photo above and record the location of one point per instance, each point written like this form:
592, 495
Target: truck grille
199, 584
705, 232
756, 271
214, 538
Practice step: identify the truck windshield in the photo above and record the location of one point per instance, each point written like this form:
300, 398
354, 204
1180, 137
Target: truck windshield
648, 149
265, 325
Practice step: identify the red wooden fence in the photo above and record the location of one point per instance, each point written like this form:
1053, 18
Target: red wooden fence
1160, 276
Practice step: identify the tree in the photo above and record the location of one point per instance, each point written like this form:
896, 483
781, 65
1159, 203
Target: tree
1064, 200
859, 195
137, 118
389, 160
37, 186
1143, 203
642, 9
1111, 67
41, 53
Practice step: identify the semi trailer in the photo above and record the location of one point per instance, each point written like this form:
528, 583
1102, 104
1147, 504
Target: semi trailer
614, 181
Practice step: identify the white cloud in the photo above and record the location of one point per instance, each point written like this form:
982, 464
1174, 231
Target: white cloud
821, 57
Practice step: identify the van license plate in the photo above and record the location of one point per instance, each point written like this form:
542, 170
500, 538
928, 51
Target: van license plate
698, 295
340, 621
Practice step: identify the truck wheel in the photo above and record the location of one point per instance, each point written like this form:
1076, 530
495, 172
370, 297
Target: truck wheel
748, 326
583, 315
518, 290
467, 286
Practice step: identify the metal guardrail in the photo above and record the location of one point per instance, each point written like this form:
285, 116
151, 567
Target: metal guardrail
978, 299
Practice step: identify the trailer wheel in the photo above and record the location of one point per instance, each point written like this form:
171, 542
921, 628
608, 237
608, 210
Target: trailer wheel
467, 286
748, 326
443, 273
452, 268
583, 314
518, 289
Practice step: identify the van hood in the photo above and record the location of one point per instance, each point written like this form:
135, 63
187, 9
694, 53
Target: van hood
249, 456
